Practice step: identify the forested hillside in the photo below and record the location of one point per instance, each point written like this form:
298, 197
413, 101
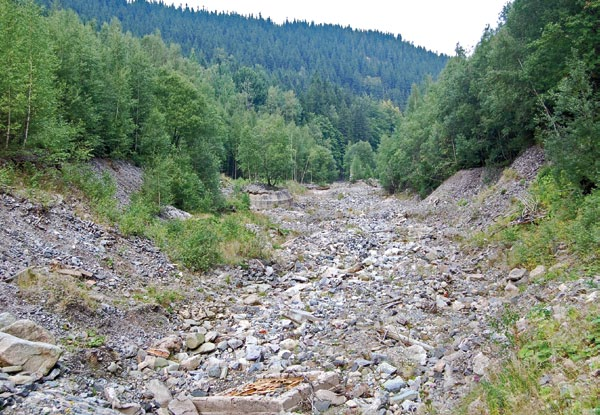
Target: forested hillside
382, 66
71, 91
535, 79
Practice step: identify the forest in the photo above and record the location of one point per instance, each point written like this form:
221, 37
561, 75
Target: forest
380, 65
533, 80
73, 89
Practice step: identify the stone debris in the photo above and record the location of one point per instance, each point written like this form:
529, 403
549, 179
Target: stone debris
371, 307
33, 357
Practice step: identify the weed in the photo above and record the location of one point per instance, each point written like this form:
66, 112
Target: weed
295, 188
542, 349
94, 339
166, 298
510, 174
7, 177
55, 290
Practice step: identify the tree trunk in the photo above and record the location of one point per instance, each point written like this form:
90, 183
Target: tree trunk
29, 92
9, 118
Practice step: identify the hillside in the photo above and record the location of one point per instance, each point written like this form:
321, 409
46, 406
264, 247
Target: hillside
380, 65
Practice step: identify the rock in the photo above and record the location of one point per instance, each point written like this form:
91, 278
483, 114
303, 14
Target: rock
211, 336
359, 390
161, 393
516, 274
34, 357
129, 408
458, 306
300, 316
159, 363
11, 369
207, 348
289, 344
351, 404
480, 364
191, 363
417, 354
394, 385
252, 299
171, 343
22, 379
235, 343
537, 272
182, 405
6, 319
253, 352
439, 366
405, 395
113, 367
169, 212
194, 340
386, 368
329, 396
511, 290
28, 330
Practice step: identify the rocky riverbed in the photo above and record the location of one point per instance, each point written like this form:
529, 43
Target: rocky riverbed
372, 305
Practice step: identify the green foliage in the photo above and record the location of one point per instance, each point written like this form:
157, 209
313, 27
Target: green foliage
567, 223
94, 340
265, 153
361, 62
535, 76
571, 138
7, 177
138, 217
359, 161
541, 350
99, 190
164, 297
191, 243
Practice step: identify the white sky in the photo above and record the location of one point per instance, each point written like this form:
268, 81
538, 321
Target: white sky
434, 24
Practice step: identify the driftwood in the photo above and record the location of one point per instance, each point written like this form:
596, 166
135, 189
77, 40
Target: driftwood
392, 334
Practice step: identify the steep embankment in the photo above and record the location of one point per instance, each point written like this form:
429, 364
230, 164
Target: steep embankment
375, 291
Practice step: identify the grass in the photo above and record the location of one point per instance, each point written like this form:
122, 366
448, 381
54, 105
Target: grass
562, 347
229, 237
295, 188
561, 224
60, 291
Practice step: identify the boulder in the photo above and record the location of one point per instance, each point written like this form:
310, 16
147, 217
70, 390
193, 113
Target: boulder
6, 319
34, 357
182, 405
161, 393
29, 330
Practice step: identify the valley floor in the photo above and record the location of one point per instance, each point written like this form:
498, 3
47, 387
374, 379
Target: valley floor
375, 289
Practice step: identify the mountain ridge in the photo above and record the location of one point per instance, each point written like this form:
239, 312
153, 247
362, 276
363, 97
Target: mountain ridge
366, 62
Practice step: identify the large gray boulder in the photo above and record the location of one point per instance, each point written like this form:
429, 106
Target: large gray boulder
35, 357
29, 330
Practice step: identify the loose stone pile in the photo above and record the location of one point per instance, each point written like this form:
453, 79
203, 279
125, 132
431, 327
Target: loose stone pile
367, 308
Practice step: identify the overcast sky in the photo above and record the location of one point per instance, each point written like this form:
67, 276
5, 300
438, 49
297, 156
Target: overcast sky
435, 24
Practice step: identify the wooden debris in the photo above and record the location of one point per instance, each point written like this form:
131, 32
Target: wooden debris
153, 351
266, 386
392, 334
77, 272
